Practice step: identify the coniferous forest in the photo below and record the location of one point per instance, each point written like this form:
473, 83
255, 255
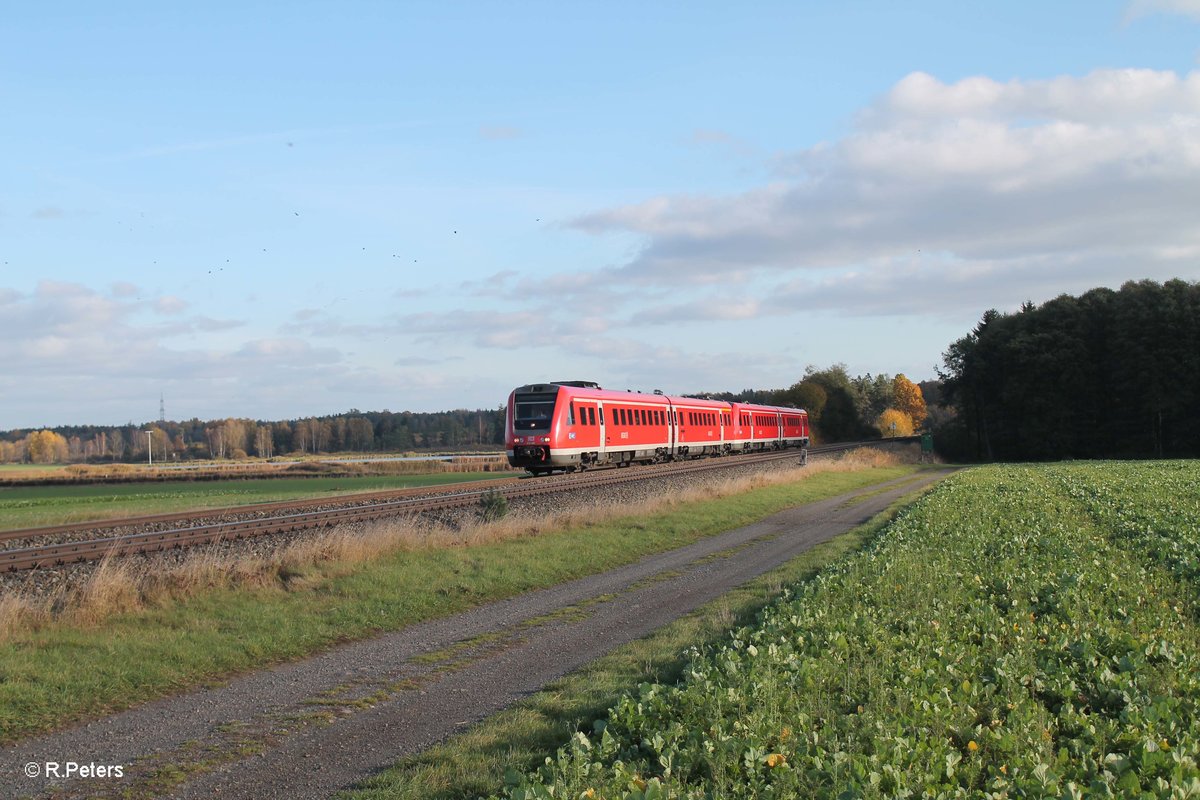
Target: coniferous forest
1109, 374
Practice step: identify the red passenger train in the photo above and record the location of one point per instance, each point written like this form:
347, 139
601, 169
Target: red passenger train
572, 425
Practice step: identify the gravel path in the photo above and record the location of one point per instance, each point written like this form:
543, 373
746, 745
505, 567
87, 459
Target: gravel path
308, 729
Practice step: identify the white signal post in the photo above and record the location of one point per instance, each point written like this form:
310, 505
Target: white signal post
150, 448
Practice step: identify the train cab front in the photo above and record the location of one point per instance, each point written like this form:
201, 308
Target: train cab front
530, 427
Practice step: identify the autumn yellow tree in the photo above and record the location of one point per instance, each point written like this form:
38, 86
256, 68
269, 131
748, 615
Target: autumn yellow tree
909, 400
903, 424
46, 447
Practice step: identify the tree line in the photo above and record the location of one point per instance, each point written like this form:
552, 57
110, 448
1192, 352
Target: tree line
355, 431
1106, 374
843, 408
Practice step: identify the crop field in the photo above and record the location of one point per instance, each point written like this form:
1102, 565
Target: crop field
31, 506
1022, 631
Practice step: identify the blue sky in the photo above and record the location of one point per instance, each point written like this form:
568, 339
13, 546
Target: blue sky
277, 210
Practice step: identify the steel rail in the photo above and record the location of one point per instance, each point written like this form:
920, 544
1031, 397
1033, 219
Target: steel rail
112, 546
228, 511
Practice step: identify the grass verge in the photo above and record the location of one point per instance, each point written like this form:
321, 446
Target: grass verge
516, 740
127, 646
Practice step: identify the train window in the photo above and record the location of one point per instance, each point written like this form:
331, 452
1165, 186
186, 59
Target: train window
591, 416
571, 414
622, 418
601, 413
533, 412
642, 416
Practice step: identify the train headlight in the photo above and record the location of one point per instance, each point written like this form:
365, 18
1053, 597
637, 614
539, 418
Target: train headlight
546, 439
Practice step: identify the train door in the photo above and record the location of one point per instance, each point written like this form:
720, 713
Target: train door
600, 417
586, 427
670, 413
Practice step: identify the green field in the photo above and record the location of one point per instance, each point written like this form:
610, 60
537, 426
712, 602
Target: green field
33, 506
1019, 632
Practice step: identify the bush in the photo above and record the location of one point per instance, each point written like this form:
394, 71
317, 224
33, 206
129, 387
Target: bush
492, 506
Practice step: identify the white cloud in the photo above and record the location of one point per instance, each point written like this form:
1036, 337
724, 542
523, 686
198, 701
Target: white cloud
1141, 8
1068, 173
73, 354
497, 133
169, 304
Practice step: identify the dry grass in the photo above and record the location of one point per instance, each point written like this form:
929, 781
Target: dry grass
120, 585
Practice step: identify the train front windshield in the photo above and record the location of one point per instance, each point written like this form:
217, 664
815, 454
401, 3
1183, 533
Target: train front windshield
533, 412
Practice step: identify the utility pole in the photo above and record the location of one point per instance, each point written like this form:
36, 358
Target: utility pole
150, 448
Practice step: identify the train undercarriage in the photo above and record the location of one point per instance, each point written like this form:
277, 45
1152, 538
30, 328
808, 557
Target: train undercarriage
540, 460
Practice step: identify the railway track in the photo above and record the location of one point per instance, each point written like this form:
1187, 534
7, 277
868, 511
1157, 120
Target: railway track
370, 506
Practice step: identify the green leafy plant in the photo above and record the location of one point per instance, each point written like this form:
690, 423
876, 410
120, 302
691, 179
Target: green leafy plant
1019, 632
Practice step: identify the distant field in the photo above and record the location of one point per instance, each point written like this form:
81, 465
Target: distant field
33, 506
12, 470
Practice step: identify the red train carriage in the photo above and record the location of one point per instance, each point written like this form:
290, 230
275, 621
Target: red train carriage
570, 425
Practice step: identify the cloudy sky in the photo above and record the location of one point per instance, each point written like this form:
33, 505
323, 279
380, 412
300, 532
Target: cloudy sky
276, 210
